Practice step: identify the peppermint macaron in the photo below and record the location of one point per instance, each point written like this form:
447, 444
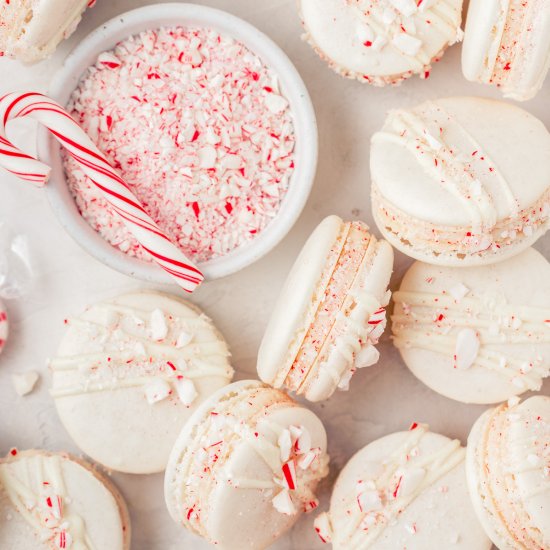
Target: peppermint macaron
381, 41
405, 490
245, 466
453, 185
130, 371
50, 501
4, 326
476, 334
330, 313
507, 44
508, 469
32, 29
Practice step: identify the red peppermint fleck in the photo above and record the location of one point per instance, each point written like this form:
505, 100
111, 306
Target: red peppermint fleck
196, 209
413, 426
289, 472
13, 451
396, 490
367, 43
508, 66
171, 365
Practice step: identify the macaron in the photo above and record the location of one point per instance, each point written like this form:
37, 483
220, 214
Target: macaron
52, 500
330, 313
32, 29
507, 44
476, 334
130, 371
4, 326
405, 490
453, 185
245, 466
381, 41
508, 470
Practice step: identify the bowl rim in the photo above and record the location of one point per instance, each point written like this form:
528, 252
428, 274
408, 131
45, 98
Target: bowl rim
104, 38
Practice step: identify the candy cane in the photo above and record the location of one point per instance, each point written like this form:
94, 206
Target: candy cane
97, 168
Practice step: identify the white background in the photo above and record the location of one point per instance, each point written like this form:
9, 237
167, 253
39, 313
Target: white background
382, 399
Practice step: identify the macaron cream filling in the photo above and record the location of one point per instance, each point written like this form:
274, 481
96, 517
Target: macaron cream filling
460, 241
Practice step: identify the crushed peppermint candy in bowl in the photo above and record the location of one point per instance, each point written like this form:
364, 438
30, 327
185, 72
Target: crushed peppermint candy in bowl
207, 121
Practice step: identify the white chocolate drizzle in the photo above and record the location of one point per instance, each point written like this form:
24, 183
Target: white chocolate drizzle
429, 321
462, 173
393, 26
127, 347
35, 486
379, 501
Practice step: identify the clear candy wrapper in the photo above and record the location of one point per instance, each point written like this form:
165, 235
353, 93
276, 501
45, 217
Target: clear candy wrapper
16, 272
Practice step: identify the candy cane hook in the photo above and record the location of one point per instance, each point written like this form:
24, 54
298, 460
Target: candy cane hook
97, 168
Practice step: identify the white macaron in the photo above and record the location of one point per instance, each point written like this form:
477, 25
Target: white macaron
452, 184
246, 466
53, 501
508, 470
476, 334
330, 313
405, 490
507, 44
381, 41
130, 371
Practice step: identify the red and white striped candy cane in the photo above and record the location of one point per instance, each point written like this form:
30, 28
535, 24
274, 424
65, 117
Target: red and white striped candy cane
97, 168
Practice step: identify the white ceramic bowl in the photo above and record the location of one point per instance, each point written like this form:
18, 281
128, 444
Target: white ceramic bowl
292, 87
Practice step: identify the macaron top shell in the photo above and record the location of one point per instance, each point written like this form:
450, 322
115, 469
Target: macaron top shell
145, 361
51, 500
330, 311
508, 467
226, 477
405, 490
365, 39
508, 45
476, 334
491, 174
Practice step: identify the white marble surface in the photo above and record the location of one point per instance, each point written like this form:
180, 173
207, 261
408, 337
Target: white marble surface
383, 399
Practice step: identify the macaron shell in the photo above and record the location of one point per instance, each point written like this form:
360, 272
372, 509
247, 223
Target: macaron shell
373, 279
442, 514
522, 158
334, 26
91, 497
479, 37
517, 283
234, 530
128, 433
294, 310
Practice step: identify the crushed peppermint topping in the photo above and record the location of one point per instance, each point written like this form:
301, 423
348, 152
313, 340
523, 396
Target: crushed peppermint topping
467, 348
197, 125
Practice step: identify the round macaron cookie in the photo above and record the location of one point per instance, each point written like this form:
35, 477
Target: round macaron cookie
4, 326
508, 470
330, 313
405, 490
452, 185
32, 29
507, 44
381, 41
129, 373
51, 500
476, 334
245, 466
